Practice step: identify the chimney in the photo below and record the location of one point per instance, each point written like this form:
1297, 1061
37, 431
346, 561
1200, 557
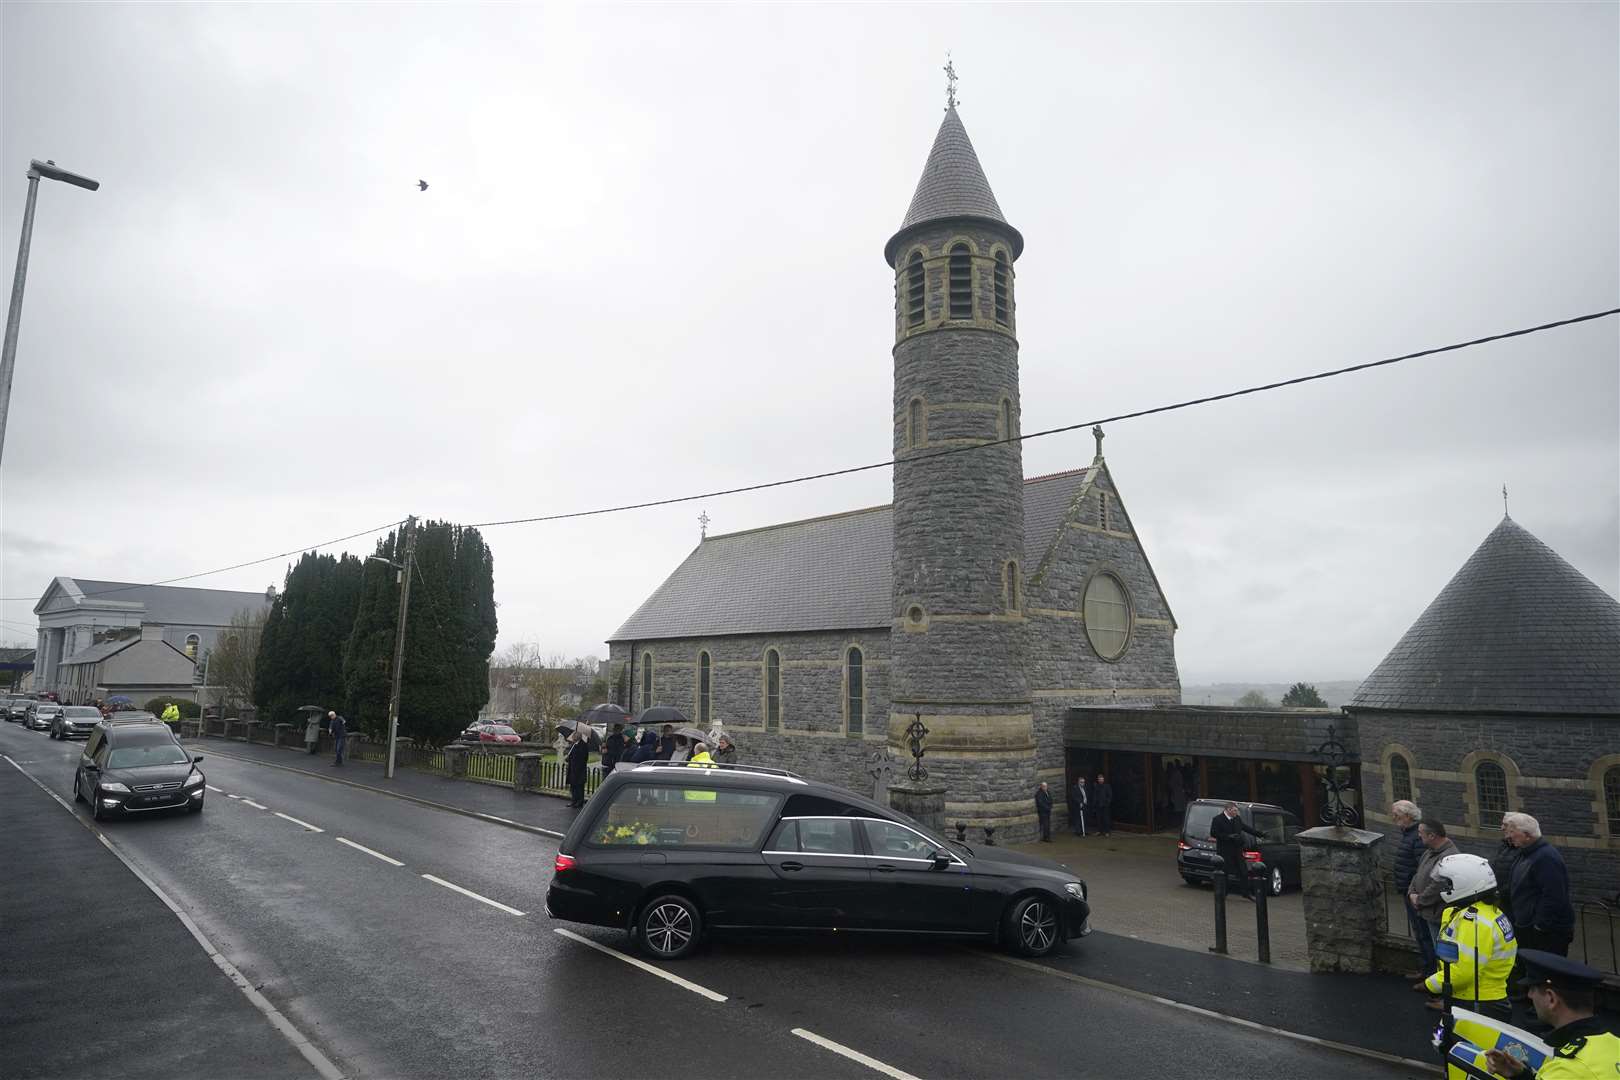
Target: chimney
151, 632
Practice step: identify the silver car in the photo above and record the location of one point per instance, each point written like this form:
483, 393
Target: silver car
40, 715
75, 721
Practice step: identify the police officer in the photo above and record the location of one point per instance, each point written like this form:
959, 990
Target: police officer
1482, 935
1564, 994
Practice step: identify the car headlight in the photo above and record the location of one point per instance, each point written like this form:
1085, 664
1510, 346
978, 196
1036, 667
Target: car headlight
1076, 889
194, 780
113, 785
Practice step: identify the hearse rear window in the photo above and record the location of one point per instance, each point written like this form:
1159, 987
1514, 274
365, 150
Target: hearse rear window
652, 816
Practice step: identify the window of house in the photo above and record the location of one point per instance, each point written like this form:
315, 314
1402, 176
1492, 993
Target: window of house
705, 675
1007, 431
1400, 777
773, 690
961, 290
646, 680
193, 642
1107, 616
1490, 782
1003, 291
1611, 799
1011, 586
855, 685
914, 424
916, 290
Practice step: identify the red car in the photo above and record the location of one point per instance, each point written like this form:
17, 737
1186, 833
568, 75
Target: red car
495, 733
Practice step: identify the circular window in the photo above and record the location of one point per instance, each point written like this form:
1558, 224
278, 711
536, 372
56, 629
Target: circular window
914, 614
1108, 616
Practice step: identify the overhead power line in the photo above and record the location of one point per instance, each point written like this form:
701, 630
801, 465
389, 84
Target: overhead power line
1053, 431
1118, 417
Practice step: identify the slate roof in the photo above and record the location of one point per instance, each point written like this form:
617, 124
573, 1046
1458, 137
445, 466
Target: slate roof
100, 651
169, 605
953, 185
827, 573
1517, 630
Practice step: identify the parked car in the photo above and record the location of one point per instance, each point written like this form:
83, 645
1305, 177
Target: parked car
672, 853
498, 733
40, 714
1195, 853
74, 721
135, 766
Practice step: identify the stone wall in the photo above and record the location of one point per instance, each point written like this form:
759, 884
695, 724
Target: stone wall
1554, 767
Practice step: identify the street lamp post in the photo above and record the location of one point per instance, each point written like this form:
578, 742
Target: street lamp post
404, 578
8, 357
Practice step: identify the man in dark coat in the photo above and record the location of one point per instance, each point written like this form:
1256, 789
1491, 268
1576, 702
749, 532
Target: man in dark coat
666, 744
1077, 806
1043, 811
1409, 851
613, 748
1104, 799
1227, 831
1538, 897
579, 756
340, 735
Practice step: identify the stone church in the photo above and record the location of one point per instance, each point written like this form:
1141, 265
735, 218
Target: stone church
984, 602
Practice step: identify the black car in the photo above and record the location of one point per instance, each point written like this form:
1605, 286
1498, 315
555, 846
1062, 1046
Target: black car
669, 853
75, 720
136, 766
1196, 857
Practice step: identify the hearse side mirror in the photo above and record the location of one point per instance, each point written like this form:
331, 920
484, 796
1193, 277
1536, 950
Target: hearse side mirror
941, 860
197, 760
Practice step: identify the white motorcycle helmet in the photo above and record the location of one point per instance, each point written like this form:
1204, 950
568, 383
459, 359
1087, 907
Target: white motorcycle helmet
1464, 877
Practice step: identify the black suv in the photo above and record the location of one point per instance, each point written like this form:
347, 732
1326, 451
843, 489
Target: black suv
1195, 854
134, 766
669, 852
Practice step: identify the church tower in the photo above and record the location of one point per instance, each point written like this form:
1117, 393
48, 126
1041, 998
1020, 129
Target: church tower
958, 630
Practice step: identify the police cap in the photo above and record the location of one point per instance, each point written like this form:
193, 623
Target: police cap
1558, 972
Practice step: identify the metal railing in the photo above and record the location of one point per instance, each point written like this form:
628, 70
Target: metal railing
1596, 924
493, 768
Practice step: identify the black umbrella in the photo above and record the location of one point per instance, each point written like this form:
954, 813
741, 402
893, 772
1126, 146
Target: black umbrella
659, 715
606, 714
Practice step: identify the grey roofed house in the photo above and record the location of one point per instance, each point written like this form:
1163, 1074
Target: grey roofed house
165, 604
826, 573
1517, 630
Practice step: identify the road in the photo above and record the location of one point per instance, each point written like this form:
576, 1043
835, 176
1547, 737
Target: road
408, 942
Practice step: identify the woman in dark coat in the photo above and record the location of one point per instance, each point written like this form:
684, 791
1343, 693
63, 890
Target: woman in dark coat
647, 749
579, 755
613, 748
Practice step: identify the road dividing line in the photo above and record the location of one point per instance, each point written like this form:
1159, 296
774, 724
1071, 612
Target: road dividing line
701, 991
853, 1055
307, 1049
211, 787
295, 821
475, 896
256, 806
231, 796
368, 851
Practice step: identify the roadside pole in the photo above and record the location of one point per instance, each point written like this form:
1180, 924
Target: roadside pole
399, 640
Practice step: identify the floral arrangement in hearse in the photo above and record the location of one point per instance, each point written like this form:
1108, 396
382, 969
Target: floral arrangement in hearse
635, 832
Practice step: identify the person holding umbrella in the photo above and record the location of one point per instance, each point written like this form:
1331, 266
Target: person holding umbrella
579, 756
312, 732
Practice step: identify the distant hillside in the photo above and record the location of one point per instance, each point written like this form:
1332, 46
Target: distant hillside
1227, 693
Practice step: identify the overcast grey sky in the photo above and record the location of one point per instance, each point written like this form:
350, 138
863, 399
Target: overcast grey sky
650, 263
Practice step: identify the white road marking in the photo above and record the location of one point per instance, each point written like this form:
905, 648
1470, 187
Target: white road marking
475, 896
233, 796
249, 802
311, 1053
701, 991
211, 787
295, 821
368, 851
853, 1055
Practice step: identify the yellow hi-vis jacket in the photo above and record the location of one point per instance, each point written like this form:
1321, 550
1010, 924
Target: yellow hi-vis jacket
171, 715
1485, 953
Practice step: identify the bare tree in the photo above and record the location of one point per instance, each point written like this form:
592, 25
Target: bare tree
232, 662
548, 685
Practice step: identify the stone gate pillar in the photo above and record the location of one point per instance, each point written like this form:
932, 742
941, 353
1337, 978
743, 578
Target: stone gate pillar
1343, 897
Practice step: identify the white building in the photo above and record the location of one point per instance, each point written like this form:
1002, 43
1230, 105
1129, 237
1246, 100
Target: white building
78, 614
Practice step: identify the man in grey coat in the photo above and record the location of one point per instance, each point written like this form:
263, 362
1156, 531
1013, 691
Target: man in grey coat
1424, 892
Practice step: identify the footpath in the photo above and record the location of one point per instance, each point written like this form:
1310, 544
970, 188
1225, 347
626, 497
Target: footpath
98, 977
1378, 1014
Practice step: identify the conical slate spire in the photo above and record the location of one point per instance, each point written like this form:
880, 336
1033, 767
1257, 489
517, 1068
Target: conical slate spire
953, 186
1517, 629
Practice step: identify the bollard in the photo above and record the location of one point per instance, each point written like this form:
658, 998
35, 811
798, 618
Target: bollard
961, 832
1260, 890
989, 836
1219, 881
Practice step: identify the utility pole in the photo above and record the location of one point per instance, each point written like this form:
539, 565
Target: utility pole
399, 639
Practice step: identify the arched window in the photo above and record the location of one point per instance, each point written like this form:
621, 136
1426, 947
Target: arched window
1400, 778
1007, 431
773, 690
1010, 586
855, 690
915, 435
704, 677
1003, 291
961, 282
1107, 616
916, 290
646, 680
1611, 799
193, 642
1490, 782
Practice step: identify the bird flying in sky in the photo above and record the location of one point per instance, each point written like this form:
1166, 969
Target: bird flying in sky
422, 184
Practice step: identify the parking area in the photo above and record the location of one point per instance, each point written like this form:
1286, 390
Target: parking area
1136, 892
